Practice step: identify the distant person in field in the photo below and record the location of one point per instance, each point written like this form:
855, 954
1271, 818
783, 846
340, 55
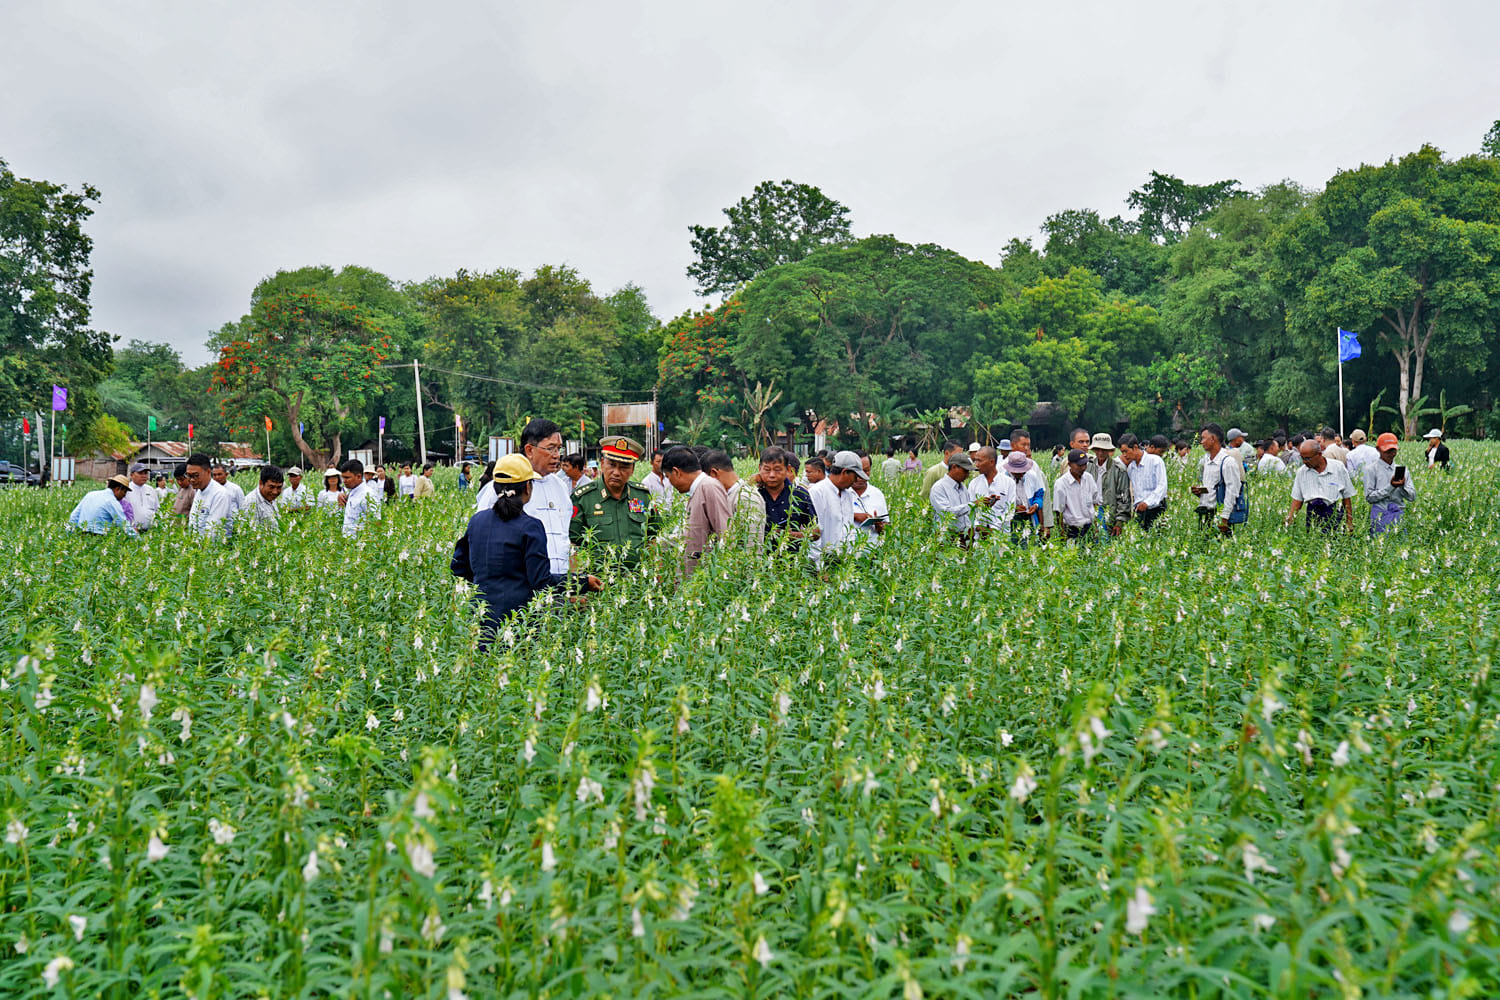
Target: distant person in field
332, 494
100, 511
424, 487
143, 497
220, 475
1076, 496
1183, 451
708, 511
260, 505
814, 470
913, 464
1221, 483
213, 505
1360, 455
1079, 439
576, 470
1437, 451
938, 470
296, 495
789, 508
504, 551
464, 472
1324, 488
949, 498
359, 500
1385, 491
406, 486
890, 468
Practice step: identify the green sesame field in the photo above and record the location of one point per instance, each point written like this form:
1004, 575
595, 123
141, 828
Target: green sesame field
1165, 766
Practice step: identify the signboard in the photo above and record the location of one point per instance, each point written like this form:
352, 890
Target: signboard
632, 415
365, 456
62, 469
500, 447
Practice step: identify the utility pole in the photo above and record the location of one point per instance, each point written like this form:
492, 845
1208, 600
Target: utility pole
416, 374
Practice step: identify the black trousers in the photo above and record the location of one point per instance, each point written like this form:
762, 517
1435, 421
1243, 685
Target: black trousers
1148, 517
1078, 531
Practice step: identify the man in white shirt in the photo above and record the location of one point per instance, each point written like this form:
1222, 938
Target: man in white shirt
297, 495
1269, 463
1076, 495
655, 481
950, 500
235, 490
144, 500
551, 501
260, 506
1221, 467
1148, 479
871, 512
358, 506
1360, 455
406, 486
992, 492
575, 472
213, 507
833, 504
1323, 485
1020, 440
747, 509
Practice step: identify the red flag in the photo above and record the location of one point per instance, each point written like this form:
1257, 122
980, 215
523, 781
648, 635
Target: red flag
25, 426
190, 432
268, 424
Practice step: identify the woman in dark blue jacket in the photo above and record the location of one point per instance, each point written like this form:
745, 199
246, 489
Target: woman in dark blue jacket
504, 551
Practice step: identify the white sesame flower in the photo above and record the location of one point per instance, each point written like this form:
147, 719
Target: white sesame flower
222, 832
1138, 911
79, 924
371, 723
15, 832
948, 704
54, 970
420, 856
1459, 923
486, 892
433, 928
1024, 784
421, 808
1006, 739
1270, 705
762, 952
1341, 754
961, 949
287, 721
637, 925
147, 701
594, 698
1263, 921
549, 859
185, 717
528, 750
1256, 862
783, 706
155, 849
23, 944
588, 788
759, 884
310, 869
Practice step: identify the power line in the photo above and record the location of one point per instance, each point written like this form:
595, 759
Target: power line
531, 385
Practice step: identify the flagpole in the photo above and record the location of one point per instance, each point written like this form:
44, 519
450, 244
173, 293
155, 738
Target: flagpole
1338, 352
52, 445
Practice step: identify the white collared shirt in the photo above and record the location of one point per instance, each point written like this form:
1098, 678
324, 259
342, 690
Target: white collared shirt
1270, 465
552, 503
657, 485
406, 486
329, 499
1075, 499
294, 497
1360, 457
951, 503
359, 508
236, 493
259, 511
872, 501
1003, 487
1332, 484
211, 510
835, 512
144, 502
1148, 480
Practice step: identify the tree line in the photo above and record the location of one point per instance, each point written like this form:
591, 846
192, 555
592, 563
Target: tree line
1200, 301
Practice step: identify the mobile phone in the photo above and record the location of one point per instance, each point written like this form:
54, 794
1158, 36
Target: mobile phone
1400, 472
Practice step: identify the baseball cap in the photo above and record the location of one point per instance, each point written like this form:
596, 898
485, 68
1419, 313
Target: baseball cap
847, 461
295, 470
1235, 432
1386, 442
138, 467
1358, 436
1434, 433
1103, 440
514, 469
1077, 455
961, 461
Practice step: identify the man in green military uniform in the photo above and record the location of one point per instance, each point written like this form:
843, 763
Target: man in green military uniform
613, 514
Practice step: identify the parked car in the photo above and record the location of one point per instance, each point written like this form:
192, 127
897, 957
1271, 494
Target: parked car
15, 475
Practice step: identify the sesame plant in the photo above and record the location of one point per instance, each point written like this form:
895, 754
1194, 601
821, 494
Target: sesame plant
1165, 765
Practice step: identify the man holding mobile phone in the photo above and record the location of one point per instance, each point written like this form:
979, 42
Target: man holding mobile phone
1388, 487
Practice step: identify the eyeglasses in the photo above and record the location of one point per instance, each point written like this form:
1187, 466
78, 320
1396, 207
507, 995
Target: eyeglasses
555, 449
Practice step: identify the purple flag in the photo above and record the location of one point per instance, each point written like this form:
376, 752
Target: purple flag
59, 398
382, 425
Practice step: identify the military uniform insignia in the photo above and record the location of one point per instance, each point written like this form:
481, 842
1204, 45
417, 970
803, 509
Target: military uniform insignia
636, 507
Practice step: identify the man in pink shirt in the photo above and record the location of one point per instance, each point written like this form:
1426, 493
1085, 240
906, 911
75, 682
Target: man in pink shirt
708, 506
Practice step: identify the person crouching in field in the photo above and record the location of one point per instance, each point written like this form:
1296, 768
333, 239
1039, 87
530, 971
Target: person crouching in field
503, 552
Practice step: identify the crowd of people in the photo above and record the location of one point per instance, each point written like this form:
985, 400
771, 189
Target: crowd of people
537, 512
210, 503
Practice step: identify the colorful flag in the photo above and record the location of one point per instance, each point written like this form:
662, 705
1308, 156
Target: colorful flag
59, 398
25, 426
382, 425
150, 423
1348, 345
190, 432
268, 425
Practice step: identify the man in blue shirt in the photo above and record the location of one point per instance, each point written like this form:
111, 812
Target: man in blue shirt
101, 510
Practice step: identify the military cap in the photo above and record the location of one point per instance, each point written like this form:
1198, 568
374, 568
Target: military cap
621, 449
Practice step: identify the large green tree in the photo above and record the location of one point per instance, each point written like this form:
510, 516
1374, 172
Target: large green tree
45, 281
776, 224
1406, 253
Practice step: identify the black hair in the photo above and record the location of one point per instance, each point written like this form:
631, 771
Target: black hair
1129, 440
429, 467
950, 444
510, 499
716, 460
1077, 431
574, 460
1264, 444
179, 471
271, 474
818, 462
1296, 441
537, 430
775, 454
406, 465
681, 459
353, 465
912, 452
199, 459
466, 466
890, 452
1215, 430
1328, 432
390, 486
1018, 434
656, 451
1160, 441
793, 462
1181, 443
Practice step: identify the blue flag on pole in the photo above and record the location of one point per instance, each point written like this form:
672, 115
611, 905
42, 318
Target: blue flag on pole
1348, 345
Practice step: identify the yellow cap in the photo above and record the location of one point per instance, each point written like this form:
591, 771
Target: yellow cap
514, 469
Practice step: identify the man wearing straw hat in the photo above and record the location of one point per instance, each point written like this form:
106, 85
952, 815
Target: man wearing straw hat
100, 510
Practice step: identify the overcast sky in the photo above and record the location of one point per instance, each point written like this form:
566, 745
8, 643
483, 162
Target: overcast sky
233, 140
